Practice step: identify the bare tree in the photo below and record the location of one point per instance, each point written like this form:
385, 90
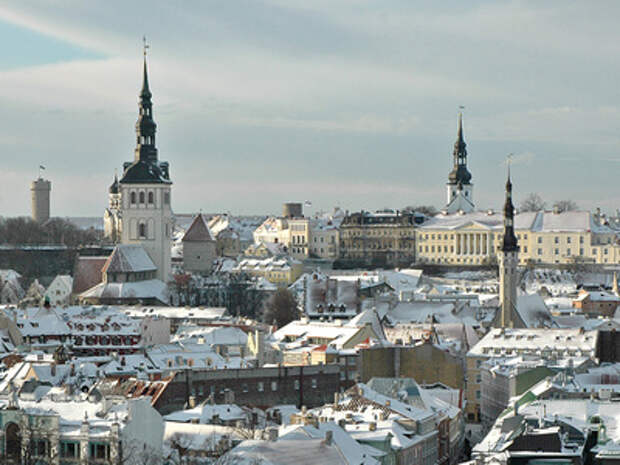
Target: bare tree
281, 308
532, 203
564, 205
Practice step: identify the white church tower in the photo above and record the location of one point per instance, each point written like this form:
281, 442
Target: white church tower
460, 190
145, 210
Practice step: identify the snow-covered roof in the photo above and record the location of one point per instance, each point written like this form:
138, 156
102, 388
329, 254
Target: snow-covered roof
206, 414
128, 258
546, 221
198, 231
149, 289
211, 335
500, 341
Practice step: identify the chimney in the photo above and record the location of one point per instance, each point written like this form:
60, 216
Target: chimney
329, 437
336, 398
192, 401
53, 369
372, 426
342, 422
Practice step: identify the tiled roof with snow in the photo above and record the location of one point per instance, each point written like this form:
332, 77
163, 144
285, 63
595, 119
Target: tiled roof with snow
198, 231
129, 258
151, 288
501, 341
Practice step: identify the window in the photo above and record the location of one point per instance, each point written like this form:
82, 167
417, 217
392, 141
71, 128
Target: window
568, 240
478, 379
99, 451
478, 363
39, 447
478, 395
539, 240
260, 387
274, 385
141, 197
142, 230
151, 200
557, 251
568, 252
167, 198
244, 387
296, 385
314, 383
132, 197
70, 450
556, 240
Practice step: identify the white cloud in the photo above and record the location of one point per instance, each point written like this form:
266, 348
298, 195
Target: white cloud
537, 80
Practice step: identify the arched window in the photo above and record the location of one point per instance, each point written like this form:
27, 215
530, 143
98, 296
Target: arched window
142, 230
141, 197
133, 197
151, 197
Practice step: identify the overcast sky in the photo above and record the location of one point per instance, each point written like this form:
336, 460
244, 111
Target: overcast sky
340, 102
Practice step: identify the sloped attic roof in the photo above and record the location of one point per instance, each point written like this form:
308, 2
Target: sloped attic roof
198, 231
128, 258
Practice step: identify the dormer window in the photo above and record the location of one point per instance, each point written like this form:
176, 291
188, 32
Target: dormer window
132, 197
151, 199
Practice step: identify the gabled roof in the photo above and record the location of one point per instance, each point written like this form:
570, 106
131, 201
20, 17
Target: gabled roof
198, 231
87, 273
128, 258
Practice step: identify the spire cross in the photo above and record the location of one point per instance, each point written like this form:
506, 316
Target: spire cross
509, 162
145, 46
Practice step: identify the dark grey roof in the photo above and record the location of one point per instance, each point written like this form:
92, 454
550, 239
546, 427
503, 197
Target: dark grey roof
145, 172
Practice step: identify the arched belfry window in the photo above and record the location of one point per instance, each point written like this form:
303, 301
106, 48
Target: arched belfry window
141, 197
142, 230
132, 197
151, 200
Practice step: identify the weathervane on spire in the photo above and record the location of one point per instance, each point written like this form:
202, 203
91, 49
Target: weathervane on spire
145, 46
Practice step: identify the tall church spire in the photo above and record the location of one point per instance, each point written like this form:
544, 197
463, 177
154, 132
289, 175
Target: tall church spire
508, 261
459, 173
460, 188
510, 240
145, 126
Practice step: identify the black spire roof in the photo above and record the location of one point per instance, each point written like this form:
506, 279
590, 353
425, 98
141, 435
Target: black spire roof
510, 240
459, 173
145, 168
114, 186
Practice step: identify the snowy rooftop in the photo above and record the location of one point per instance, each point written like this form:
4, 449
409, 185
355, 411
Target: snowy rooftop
502, 341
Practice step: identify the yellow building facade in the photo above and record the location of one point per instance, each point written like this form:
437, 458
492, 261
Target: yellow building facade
544, 237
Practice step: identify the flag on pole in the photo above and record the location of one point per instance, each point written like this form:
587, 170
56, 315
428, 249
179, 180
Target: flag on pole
41, 167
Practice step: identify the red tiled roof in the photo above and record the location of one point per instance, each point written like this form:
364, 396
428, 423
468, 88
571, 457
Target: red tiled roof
198, 231
87, 273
